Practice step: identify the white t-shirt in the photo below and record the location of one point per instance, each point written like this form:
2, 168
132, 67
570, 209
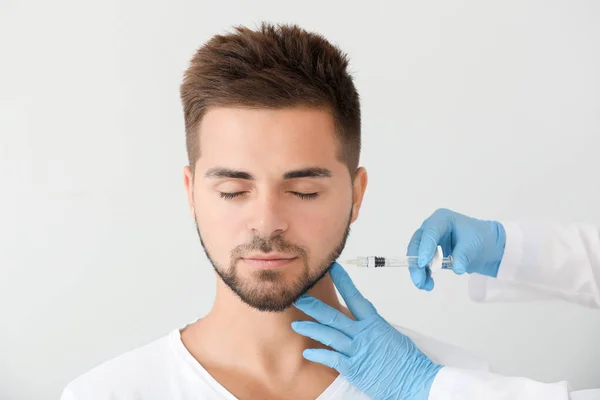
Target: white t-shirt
164, 369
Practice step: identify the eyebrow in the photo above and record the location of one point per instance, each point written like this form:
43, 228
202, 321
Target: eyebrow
314, 172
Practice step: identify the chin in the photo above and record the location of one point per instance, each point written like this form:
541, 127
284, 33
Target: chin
273, 295
269, 304
269, 290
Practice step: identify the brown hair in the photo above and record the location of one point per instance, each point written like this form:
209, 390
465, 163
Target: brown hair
272, 67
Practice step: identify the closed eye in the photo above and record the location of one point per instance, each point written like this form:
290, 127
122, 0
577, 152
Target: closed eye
229, 196
306, 196
303, 196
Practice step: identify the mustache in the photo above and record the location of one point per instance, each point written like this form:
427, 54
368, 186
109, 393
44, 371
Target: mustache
267, 245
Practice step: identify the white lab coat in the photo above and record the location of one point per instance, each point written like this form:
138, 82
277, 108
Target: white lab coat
541, 261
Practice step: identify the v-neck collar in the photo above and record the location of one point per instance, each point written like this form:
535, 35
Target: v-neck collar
182, 352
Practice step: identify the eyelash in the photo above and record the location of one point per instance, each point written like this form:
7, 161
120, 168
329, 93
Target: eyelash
304, 196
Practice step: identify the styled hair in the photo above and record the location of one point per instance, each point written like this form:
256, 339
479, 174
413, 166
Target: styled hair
272, 67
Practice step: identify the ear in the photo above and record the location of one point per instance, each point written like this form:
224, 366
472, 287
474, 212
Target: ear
188, 181
358, 191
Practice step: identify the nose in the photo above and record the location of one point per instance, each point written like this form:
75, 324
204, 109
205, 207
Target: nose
267, 216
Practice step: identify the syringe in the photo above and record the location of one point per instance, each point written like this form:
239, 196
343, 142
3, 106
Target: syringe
438, 261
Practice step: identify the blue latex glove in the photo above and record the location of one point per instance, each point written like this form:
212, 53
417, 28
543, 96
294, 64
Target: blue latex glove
476, 246
370, 353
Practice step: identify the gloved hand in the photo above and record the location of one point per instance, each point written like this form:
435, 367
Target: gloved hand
370, 353
476, 246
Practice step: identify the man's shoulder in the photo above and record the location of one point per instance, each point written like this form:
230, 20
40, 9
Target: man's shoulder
130, 372
444, 353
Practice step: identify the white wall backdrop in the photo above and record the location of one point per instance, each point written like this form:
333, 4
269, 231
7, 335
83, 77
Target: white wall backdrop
489, 108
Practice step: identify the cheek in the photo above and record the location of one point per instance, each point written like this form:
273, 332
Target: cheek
321, 231
218, 225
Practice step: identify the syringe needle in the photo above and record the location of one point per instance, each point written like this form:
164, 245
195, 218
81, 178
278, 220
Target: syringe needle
354, 261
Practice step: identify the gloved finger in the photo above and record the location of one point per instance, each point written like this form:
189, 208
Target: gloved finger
463, 254
325, 314
330, 358
434, 228
429, 283
422, 275
415, 243
360, 307
417, 274
324, 334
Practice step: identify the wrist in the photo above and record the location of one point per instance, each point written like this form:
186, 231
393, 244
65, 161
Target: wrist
500, 246
435, 369
497, 249
421, 384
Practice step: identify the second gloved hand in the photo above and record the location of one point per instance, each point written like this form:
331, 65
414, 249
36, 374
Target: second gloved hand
370, 353
476, 246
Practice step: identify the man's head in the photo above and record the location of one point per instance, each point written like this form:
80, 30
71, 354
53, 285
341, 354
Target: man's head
273, 139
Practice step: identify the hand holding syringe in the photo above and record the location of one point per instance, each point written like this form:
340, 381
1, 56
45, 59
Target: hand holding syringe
438, 261
474, 246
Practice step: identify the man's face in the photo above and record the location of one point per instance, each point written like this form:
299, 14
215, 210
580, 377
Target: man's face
272, 201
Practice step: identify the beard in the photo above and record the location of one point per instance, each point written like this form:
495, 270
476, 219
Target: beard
268, 290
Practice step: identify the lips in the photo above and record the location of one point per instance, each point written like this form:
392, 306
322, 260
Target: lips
270, 257
270, 261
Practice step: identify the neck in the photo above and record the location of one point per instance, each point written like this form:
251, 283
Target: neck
235, 335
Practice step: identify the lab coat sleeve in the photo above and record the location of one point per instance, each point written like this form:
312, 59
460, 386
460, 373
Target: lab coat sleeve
463, 384
67, 395
545, 261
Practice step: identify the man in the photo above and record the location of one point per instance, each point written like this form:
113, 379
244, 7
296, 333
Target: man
273, 137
